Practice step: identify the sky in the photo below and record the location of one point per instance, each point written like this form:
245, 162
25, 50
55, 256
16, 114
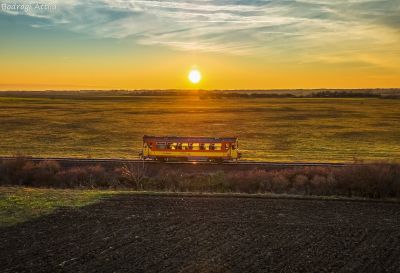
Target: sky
236, 44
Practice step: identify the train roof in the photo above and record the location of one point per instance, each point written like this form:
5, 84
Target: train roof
189, 139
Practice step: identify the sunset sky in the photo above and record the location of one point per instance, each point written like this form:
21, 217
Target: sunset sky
236, 44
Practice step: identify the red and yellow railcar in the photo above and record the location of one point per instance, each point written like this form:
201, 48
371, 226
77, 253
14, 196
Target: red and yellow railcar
173, 148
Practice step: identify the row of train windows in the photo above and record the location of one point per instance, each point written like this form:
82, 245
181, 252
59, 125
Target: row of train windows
192, 146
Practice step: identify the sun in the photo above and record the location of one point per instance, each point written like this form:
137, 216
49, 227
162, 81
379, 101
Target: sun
194, 76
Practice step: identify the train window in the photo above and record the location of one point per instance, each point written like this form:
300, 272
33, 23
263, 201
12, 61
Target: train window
171, 146
190, 146
202, 146
178, 146
196, 146
217, 146
226, 146
161, 145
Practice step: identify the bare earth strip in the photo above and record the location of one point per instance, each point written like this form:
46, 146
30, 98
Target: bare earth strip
132, 233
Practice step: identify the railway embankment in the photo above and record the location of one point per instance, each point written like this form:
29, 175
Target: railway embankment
373, 180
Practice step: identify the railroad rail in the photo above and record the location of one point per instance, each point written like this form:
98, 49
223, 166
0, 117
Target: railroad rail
238, 163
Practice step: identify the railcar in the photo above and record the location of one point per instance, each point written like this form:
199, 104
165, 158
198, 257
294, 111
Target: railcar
174, 148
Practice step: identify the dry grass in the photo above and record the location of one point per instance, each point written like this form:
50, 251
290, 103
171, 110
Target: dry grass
273, 129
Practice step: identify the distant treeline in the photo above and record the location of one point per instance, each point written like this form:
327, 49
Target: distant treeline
321, 94
215, 94
347, 94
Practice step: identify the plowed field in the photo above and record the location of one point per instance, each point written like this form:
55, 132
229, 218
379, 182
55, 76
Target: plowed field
130, 233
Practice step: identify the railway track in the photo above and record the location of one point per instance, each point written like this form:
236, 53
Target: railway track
150, 162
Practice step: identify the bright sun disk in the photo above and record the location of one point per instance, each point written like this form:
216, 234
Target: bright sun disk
194, 76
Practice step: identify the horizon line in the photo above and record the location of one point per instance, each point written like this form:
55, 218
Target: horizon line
185, 89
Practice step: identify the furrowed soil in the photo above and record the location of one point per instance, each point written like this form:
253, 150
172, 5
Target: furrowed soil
131, 233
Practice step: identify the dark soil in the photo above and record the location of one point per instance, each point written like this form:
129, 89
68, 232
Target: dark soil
131, 233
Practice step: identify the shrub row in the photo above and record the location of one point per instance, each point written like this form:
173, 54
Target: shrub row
369, 180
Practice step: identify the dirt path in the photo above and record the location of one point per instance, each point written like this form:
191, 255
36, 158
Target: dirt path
198, 234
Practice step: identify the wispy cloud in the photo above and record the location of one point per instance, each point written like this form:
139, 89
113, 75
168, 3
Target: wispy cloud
322, 30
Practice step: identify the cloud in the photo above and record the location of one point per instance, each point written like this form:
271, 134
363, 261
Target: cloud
259, 27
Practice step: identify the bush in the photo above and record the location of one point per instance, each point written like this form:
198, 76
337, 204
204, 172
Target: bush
83, 177
132, 175
44, 173
300, 183
70, 178
368, 180
13, 172
372, 181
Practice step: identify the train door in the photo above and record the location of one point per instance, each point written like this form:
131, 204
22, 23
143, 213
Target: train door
227, 149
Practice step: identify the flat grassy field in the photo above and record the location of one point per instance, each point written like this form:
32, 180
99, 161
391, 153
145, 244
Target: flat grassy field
270, 129
22, 204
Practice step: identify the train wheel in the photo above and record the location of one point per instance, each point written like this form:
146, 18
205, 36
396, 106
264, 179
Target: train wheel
216, 160
220, 160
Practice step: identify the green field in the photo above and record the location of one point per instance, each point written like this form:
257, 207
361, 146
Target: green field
271, 129
22, 204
